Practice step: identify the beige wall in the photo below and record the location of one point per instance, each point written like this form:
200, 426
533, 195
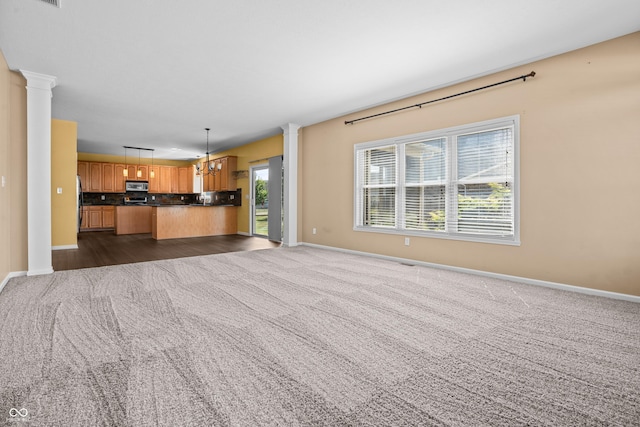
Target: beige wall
13, 161
579, 154
64, 220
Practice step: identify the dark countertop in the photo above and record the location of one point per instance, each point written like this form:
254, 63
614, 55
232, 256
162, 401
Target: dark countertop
158, 205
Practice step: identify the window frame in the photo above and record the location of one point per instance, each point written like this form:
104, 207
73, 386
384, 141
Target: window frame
451, 166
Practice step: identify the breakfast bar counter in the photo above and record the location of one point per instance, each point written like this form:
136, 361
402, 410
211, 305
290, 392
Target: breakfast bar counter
178, 221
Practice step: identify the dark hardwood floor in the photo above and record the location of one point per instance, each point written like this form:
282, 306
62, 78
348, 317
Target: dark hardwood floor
99, 248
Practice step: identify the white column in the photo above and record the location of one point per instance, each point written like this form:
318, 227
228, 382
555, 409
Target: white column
290, 165
39, 96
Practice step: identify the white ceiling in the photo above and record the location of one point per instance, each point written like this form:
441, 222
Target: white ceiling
155, 73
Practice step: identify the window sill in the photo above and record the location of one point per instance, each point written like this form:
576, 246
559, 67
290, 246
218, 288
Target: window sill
509, 241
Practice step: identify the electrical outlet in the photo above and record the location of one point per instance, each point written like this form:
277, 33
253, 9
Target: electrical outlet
231, 197
59, 190
153, 197
181, 197
4, 181
314, 231
103, 197
407, 241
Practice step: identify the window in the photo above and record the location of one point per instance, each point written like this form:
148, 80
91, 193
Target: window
458, 183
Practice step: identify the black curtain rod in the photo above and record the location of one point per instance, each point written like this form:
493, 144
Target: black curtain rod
524, 78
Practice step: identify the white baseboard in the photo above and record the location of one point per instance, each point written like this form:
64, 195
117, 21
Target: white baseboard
525, 280
58, 248
11, 276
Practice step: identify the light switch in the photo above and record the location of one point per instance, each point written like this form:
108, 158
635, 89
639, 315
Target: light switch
59, 190
4, 181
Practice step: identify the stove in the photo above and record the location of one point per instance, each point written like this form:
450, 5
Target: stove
135, 200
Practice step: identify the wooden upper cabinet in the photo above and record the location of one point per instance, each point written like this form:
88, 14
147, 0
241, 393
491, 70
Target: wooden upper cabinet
108, 178
133, 172
95, 177
165, 179
83, 172
99, 177
222, 177
228, 177
119, 178
184, 180
174, 180
154, 181
144, 173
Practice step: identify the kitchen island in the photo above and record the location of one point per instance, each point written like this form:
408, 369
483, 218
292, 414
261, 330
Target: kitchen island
178, 221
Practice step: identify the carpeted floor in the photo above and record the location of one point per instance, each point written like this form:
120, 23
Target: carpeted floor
303, 336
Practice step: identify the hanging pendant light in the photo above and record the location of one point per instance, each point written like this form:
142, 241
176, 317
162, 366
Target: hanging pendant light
125, 171
152, 173
139, 171
208, 170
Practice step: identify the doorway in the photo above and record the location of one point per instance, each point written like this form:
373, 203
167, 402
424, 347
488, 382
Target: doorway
260, 200
266, 199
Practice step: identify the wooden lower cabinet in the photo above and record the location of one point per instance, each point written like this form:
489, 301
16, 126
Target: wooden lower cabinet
108, 216
98, 217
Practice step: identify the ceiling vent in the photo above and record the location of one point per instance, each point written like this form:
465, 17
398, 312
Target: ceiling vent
55, 3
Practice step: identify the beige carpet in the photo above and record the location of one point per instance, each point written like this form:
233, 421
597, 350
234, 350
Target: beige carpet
303, 336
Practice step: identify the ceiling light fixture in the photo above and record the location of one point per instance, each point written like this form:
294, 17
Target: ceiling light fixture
125, 171
209, 167
152, 173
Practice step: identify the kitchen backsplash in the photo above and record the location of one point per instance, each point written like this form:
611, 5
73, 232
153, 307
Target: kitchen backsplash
217, 197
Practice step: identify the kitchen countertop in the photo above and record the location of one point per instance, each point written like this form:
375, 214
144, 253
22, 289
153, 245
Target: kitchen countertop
159, 205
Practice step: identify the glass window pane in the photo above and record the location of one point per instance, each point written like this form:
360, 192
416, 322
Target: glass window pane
485, 209
425, 208
425, 162
379, 207
380, 166
486, 156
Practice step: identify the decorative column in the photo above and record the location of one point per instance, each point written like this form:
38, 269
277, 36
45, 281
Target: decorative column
290, 165
39, 96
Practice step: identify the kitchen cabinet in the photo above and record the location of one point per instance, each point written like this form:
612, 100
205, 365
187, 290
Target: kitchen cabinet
101, 177
221, 177
119, 178
98, 217
154, 181
85, 218
174, 180
133, 173
108, 216
185, 181
165, 179
227, 178
108, 178
83, 172
95, 178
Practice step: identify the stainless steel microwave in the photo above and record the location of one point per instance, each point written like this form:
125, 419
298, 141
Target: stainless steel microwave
137, 186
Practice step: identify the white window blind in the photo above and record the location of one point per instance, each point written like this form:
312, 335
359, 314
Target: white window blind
485, 180
425, 185
456, 183
377, 189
